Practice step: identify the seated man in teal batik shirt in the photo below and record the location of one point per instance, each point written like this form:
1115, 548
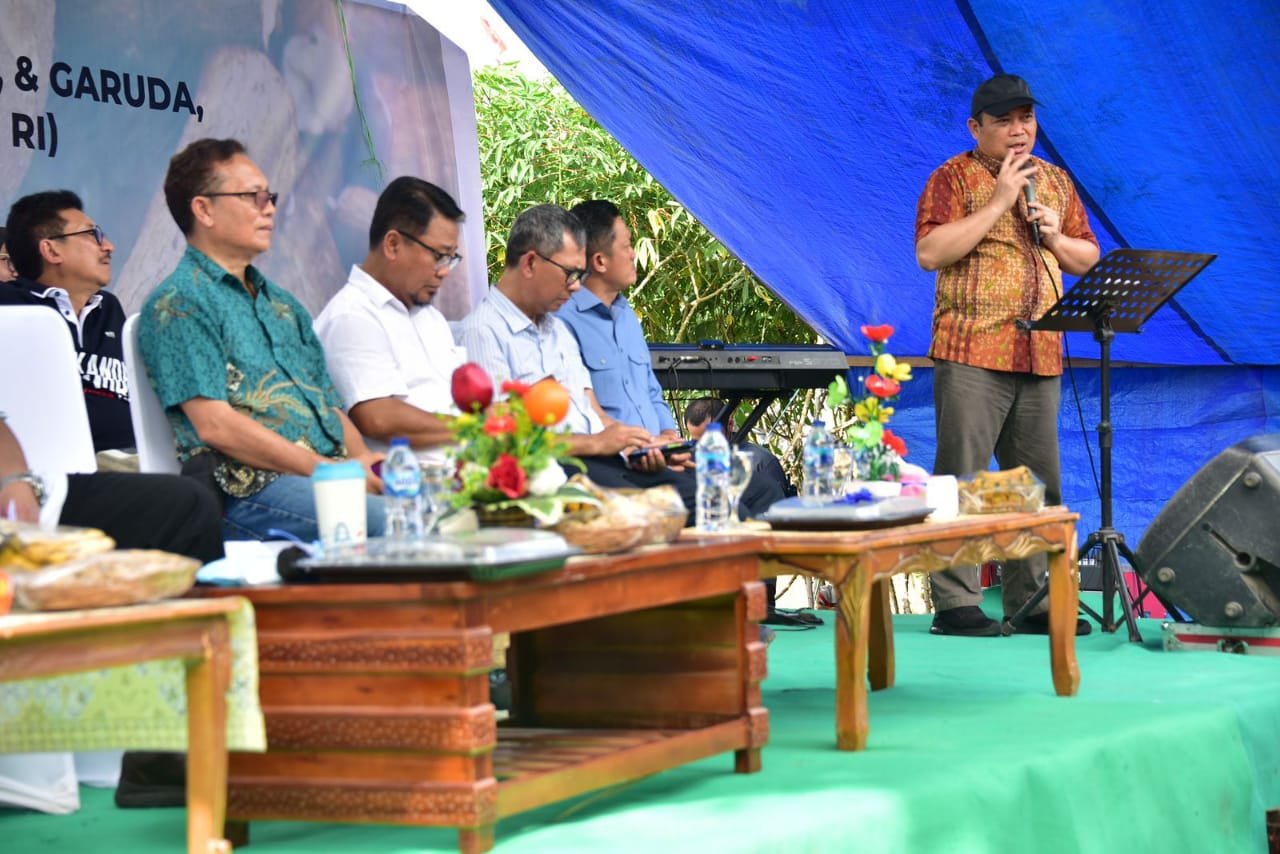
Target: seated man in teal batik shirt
233, 357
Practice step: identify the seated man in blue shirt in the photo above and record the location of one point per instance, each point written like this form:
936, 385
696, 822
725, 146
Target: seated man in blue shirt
613, 345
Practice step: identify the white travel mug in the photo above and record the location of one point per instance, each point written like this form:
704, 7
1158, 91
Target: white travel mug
341, 511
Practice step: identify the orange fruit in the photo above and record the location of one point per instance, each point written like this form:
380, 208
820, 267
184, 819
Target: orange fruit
547, 402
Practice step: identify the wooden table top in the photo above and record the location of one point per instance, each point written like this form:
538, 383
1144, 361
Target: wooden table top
584, 568
24, 624
854, 541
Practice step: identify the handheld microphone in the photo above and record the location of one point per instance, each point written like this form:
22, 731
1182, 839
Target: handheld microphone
1030, 192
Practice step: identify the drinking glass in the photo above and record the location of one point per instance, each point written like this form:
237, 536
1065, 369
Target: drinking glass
437, 486
843, 469
742, 464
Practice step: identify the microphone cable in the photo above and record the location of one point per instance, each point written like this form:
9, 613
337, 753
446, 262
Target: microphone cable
1038, 252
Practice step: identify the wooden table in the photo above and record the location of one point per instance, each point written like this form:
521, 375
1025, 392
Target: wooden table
376, 696
860, 563
56, 643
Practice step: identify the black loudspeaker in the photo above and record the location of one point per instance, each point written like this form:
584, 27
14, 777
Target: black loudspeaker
1214, 550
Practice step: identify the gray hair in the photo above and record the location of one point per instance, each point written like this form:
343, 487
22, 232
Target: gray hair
541, 228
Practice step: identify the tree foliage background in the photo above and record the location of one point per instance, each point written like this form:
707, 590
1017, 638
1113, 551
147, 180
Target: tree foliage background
537, 145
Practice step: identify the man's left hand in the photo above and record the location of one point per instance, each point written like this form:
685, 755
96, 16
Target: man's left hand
18, 502
1050, 223
372, 483
651, 461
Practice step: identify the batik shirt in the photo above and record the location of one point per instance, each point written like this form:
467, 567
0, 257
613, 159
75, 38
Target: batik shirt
202, 335
1003, 279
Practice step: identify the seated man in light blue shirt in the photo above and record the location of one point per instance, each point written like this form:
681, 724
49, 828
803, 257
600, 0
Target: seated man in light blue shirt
614, 348
514, 335
607, 329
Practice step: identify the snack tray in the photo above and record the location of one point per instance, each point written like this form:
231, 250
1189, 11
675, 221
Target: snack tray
488, 554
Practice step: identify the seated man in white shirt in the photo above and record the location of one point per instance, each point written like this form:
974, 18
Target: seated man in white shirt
390, 352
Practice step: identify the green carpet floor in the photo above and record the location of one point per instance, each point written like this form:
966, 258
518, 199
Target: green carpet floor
970, 752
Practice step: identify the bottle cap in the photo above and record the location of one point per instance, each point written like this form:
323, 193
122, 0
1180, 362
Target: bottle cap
714, 425
400, 442
820, 423
345, 470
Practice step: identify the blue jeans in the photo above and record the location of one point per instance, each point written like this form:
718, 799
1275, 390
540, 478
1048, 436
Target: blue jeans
287, 504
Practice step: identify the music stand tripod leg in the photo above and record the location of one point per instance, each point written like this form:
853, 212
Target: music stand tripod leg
1011, 624
1116, 546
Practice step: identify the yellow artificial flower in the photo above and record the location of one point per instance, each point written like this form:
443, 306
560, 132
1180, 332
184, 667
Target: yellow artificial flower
889, 368
867, 409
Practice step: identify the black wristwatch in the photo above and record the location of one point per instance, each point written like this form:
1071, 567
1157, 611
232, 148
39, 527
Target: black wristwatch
31, 479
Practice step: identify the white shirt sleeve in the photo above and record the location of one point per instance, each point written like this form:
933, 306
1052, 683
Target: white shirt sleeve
360, 359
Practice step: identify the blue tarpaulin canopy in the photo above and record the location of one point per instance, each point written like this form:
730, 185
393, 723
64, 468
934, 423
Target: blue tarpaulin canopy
801, 132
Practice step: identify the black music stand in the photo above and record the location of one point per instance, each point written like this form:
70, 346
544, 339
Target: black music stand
1117, 294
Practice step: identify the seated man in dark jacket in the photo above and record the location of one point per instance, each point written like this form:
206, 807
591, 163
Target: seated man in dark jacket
63, 261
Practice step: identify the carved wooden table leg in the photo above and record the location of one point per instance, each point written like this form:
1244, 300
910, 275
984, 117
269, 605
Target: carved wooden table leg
475, 840
853, 624
207, 680
1064, 602
881, 641
749, 610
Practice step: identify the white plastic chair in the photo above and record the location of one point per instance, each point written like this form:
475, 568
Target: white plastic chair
43, 402
40, 391
151, 429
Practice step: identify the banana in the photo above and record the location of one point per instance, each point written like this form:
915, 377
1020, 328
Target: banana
30, 549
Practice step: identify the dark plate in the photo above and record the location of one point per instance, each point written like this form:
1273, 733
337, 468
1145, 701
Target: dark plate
792, 514
490, 554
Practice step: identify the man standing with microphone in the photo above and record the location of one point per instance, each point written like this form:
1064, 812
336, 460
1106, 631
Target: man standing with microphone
999, 226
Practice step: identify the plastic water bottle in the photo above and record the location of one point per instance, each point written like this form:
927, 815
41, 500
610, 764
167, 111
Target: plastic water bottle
819, 465
402, 487
711, 459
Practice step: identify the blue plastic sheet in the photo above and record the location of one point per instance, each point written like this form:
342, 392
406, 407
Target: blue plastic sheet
801, 133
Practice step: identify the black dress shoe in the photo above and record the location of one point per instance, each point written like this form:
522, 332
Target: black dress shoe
150, 779
1038, 624
965, 621
500, 690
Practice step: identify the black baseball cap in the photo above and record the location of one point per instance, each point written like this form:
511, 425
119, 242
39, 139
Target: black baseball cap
1001, 94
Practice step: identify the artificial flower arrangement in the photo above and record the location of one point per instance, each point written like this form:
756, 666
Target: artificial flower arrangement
878, 452
508, 454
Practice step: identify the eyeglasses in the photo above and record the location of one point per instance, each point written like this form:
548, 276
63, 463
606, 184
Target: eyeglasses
572, 275
261, 198
98, 234
444, 260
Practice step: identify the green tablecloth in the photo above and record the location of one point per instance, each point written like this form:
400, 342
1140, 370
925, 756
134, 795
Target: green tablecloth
141, 706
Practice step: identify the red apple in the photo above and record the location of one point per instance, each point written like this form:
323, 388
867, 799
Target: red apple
472, 389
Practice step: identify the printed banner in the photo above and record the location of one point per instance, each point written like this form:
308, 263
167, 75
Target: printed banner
333, 100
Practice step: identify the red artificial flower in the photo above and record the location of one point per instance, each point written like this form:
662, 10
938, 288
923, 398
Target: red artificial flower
507, 477
878, 334
496, 425
514, 387
895, 442
883, 387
